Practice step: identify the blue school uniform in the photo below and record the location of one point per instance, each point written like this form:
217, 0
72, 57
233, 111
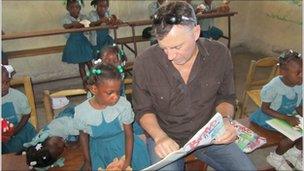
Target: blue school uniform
78, 48
107, 140
283, 99
14, 106
208, 30
99, 38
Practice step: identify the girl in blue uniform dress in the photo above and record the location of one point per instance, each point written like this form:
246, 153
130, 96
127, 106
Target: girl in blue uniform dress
100, 38
46, 148
112, 55
78, 49
105, 123
15, 109
282, 98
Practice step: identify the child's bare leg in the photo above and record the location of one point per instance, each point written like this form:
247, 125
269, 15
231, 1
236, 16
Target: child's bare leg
284, 145
298, 144
89, 65
82, 73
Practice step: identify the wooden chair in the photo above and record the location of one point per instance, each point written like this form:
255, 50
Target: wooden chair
254, 83
26, 82
47, 99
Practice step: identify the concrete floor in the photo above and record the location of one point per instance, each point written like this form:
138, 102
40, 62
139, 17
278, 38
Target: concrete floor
241, 59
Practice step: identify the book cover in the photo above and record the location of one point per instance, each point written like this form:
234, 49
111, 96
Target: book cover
204, 136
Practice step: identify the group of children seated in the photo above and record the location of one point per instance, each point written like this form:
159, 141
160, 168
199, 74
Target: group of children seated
103, 124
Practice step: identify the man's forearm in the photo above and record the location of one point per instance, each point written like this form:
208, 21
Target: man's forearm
226, 109
150, 124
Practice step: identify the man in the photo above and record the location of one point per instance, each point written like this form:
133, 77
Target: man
179, 84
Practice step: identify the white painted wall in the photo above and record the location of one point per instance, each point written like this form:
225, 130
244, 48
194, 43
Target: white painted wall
265, 27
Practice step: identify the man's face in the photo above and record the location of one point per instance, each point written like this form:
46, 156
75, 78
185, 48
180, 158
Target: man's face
180, 43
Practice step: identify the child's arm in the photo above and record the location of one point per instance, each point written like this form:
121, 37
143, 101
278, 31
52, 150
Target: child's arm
73, 25
99, 22
292, 120
129, 144
299, 110
21, 124
84, 142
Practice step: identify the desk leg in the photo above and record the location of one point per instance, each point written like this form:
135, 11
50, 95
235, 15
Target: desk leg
134, 41
229, 31
115, 35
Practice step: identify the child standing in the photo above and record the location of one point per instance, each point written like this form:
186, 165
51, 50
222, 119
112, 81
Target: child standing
105, 123
47, 146
16, 110
101, 15
281, 98
208, 30
78, 49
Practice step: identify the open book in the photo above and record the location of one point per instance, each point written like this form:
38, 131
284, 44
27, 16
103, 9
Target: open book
203, 137
286, 129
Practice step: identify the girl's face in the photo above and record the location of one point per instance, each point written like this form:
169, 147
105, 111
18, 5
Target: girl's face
5, 83
101, 8
55, 146
74, 9
292, 74
110, 58
107, 92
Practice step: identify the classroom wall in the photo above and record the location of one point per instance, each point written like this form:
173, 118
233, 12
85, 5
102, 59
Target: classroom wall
265, 27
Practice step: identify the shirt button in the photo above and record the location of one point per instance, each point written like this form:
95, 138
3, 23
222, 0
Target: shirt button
162, 98
207, 84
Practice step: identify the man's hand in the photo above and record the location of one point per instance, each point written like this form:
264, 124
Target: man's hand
228, 136
165, 146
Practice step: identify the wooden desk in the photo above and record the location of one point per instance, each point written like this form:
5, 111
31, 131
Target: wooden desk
272, 137
255, 96
13, 162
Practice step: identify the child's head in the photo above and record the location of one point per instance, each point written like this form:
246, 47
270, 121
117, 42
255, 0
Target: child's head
101, 7
112, 55
104, 82
46, 153
290, 63
5, 81
74, 7
208, 2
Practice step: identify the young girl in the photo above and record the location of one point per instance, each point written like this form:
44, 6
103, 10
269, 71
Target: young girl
46, 147
15, 109
78, 49
208, 30
101, 37
281, 98
107, 119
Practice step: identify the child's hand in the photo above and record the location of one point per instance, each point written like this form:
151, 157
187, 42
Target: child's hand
104, 20
292, 120
126, 167
77, 25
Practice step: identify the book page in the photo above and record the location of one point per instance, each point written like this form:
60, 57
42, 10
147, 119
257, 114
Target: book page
285, 128
203, 137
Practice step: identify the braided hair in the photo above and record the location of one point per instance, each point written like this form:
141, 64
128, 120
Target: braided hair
288, 56
39, 155
101, 72
68, 2
95, 2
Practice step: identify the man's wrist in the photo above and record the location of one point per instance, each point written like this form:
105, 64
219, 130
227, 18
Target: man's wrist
228, 118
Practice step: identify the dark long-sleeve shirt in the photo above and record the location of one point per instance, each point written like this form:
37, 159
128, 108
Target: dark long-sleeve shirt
182, 109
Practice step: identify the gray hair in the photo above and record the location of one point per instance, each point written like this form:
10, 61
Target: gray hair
181, 12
